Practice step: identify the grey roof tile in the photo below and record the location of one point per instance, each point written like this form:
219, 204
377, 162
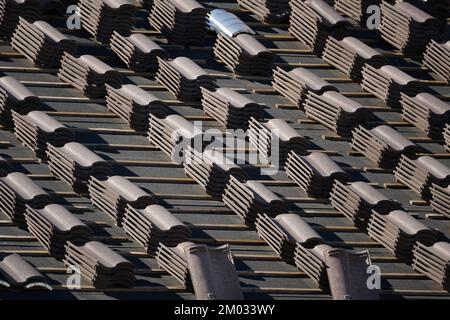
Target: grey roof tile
18, 272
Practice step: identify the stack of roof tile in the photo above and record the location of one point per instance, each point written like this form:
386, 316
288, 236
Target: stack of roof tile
268, 10
75, 164
101, 17
12, 10
336, 112
348, 275
17, 191
41, 43
388, 82
350, 55
16, 272
312, 21
154, 225
211, 169
229, 108
398, 231
420, 174
243, 54
15, 96
434, 262
103, 267
134, 105
184, 78
182, 22
312, 262
275, 138
114, 194
137, 51
88, 74
36, 129
173, 260
426, 112
355, 9
210, 271
447, 137
283, 232
437, 58
296, 84
356, 200
383, 145
250, 198
407, 28
440, 199
54, 226
315, 173
173, 134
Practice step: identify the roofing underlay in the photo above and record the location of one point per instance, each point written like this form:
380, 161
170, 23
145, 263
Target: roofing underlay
261, 273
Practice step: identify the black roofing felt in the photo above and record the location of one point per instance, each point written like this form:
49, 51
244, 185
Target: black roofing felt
261, 273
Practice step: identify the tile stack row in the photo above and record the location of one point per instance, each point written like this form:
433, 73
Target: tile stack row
54, 226
103, 267
173, 134
437, 58
357, 200
230, 108
135, 105
350, 54
36, 129
75, 164
275, 139
154, 225
250, 198
114, 193
388, 83
183, 78
427, 113
15, 97
137, 51
399, 232
315, 173
211, 169
41, 43
17, 191
336, 112
182, 22
313, 21
88, 74
407, 28
419, 174
440, 199
383, 145
297, 83
434, 262
102, 17
236, 46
